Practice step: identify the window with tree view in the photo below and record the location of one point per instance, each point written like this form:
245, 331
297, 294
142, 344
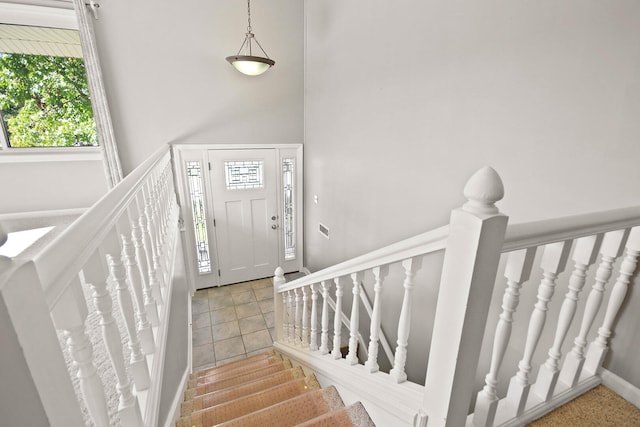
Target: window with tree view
44, 94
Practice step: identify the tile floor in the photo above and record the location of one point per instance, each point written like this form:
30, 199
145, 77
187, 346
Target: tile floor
232, 322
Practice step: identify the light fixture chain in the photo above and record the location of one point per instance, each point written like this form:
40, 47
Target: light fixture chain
249, 15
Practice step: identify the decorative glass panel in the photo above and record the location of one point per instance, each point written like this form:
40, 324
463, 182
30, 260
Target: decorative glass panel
289, 209
244, 174
194, 176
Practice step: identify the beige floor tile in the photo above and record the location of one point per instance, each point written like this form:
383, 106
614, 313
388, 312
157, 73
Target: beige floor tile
272, 332
217, 291
266, 306
243, 298
223, 331
231, 359
257, 340
239, 288
252, 324
270, 319
202, 336
226, 349
200, 320
247, 310
201, 293
220, 301
203, 355
200, 305
223, 315
264, 293
262, 283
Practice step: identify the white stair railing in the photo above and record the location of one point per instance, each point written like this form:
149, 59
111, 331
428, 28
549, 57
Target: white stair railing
121, 249
473, 242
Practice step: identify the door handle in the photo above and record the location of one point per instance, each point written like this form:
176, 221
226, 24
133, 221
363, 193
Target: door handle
274, 226
274, 218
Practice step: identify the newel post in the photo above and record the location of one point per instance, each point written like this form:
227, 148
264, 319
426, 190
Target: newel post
278, 306
473, 250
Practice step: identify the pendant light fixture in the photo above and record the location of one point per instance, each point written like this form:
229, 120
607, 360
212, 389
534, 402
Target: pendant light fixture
248, 63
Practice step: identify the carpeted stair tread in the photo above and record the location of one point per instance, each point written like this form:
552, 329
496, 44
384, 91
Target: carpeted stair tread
250, 403
215, 376
197, 403
351, 416
240, 379
237, 364
293, 411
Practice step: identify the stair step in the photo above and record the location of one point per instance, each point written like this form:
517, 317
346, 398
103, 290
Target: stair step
240, 379
236, 364
352, 416
253, 402
293, 411
215, 375
195, 403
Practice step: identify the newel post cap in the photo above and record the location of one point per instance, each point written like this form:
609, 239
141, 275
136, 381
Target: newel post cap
482, 191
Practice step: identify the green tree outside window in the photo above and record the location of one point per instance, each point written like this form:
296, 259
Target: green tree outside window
45, 101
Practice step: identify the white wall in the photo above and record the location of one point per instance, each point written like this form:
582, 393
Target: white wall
167, 79
49, 185
405, 100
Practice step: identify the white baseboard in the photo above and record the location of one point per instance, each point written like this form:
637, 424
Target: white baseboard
622, 387
306, 271
174, 411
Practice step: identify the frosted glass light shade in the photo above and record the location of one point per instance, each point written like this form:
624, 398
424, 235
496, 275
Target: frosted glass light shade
250, 65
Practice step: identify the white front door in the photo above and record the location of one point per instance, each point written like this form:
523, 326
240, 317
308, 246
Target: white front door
245, 210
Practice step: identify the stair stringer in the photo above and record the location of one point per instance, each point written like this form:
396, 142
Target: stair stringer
387, 402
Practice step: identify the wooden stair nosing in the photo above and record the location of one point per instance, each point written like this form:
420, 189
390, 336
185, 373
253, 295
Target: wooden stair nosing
220, 396
293, 411
237, 363
237, 370
253, 402
240, 379
353, 415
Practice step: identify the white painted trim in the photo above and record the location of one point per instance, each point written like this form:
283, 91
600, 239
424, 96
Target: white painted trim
402, 401
208, 146
305, 270
53, 154
622, 387
152, 410
38, 16
538, 410
174, 411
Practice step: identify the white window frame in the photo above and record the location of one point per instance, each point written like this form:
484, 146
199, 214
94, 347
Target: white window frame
64, 18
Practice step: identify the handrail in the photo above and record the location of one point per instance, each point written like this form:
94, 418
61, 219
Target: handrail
431, 241
537, 233
86, 234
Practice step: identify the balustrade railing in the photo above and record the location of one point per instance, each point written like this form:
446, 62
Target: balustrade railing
559, 251
119, 251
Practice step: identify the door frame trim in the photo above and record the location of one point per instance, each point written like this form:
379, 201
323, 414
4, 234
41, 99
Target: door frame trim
193, 152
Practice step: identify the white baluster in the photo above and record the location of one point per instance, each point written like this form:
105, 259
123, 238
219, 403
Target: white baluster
584, 255
141, 259
286, 318
96, 278
305, 317
313, 339
135, 280
290, 331
553, 262
517, 271
337, 321
324, 335
297, 336
69, 315
379, 273
610, 250
148, 251
153, 227
404, 323
598, 348
354, 325
137, 362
